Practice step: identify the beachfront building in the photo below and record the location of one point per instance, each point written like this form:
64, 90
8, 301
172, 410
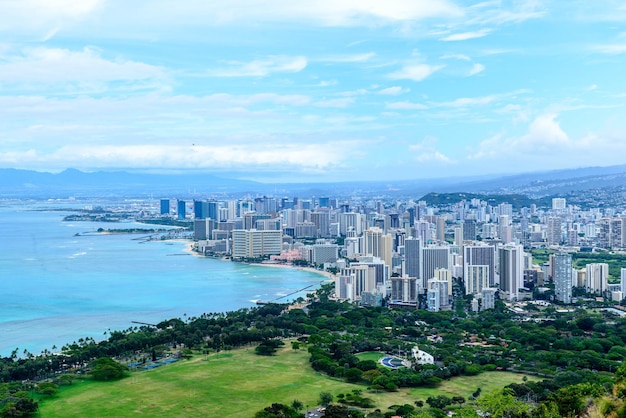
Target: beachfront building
254, 243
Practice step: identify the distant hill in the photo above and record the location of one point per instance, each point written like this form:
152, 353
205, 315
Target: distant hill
26, 183
71, 182
517, 200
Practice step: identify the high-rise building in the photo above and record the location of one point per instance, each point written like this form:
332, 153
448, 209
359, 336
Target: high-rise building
563, 277
324, 202
488, 298
254, 244
165, 207
469, 230
480, 255
476, 279
199, 229
412, 257
441, 228
512, 270
433, 258
322, 223
213, 210
350, 221
437, 295
446, 276
596, 280
378, 244
553, 231
325, 253
559, 203
355, 280
181, 210
200, 209
422, 230
404, 289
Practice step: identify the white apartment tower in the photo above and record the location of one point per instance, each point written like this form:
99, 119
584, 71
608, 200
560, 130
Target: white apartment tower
597, 277
480, 255
511, 270
563, 277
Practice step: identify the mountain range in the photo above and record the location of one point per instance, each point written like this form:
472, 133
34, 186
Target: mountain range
15, 183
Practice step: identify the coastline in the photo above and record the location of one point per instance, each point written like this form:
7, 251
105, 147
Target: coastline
189, 248
329, 276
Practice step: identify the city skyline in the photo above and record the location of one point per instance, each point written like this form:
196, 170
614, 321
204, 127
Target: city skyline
325, 90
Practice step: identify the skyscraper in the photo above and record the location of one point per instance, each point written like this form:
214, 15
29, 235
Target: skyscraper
165, 207
469, 230
553, 232
476, 279
378, 244
596, 280
412, 257
433, 258
563, 277
480, 255
512, 270
181, 210
200, 209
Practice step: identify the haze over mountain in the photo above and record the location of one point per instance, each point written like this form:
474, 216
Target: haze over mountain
72, 182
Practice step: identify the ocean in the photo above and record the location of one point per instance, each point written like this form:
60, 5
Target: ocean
57, 287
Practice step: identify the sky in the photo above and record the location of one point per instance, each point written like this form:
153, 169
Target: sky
318, 90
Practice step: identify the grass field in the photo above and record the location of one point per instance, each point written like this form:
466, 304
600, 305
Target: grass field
233, 384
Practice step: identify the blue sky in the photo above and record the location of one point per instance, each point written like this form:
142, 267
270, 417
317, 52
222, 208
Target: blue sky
322, 90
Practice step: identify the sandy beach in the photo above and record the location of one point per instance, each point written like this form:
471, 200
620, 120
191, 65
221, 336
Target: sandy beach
329, 276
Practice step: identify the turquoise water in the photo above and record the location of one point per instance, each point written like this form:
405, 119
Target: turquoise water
56, 287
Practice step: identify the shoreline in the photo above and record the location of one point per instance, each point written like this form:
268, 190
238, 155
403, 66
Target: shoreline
329, 276
189, 248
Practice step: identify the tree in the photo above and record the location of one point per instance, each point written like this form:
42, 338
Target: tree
297, 405
340, 411
106, 368
353, 375
278, 410
326, 398
47, 388
439, 402
502, 403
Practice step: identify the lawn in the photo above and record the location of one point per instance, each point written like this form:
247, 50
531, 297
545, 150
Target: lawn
234, 384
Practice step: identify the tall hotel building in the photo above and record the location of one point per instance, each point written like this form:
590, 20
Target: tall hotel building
254, 243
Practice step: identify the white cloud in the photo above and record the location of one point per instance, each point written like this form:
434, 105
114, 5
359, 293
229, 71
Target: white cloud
517, 12
180, 157
469, 101
405, 106
56, 65
544, 137
327, 83
466, 35
349, 58
426, 152
476, 68
339, 103
262, 68
44, 15
417, 72
461, 57
393, 91
610, 49
142, 16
